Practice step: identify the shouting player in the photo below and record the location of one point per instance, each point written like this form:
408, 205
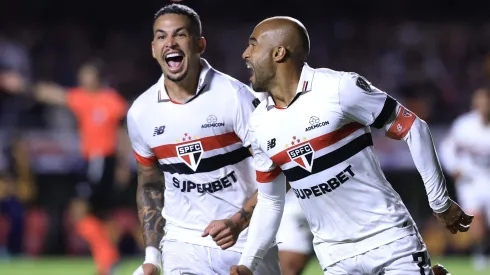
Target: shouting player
192, 125
320, 123
465, 153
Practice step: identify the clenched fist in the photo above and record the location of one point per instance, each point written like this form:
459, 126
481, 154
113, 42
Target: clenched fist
240, 270
455, 219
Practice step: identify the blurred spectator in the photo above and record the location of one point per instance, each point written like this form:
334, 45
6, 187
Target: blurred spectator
466, 155
100, 113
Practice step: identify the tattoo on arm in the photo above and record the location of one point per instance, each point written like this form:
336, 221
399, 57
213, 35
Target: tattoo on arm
242, 217
246, 215
149, 198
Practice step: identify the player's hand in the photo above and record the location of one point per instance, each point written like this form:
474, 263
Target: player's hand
439, 269
224, 232
240, 270
150, 269
147, 269
455, 219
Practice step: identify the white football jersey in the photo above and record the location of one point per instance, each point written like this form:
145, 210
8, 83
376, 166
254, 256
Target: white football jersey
202, 148
467, 148
322, 143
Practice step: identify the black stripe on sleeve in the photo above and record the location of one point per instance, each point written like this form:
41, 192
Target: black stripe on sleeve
385, 114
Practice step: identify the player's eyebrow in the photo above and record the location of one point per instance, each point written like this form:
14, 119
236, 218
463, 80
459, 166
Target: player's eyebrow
252, 39
175, 31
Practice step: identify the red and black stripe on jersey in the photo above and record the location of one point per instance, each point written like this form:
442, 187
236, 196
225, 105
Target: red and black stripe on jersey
206, 164
337, 156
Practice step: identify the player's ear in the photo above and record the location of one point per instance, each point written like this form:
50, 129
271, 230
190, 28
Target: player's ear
201, 44
153, 50
279, 54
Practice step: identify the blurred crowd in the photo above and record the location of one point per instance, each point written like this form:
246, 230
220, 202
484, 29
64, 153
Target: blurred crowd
432, 67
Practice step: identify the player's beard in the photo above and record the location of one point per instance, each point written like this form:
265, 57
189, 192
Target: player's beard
177, 78
262, 79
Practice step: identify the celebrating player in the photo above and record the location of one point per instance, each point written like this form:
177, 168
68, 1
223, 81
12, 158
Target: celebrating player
192, 125
465, 153
314, 130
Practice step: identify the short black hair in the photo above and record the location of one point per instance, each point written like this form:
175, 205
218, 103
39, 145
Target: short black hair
196, 26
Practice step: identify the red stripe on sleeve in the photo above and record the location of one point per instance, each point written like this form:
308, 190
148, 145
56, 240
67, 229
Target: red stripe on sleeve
144, 160
264, 177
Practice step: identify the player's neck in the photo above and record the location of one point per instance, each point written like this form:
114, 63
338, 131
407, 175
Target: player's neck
92, 88
286, 85
486, 120
181, 91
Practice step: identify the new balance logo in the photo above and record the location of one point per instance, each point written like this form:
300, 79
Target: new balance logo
158, 130
271, 144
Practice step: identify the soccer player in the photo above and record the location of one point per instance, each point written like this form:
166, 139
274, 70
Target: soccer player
192, 125
314, 130
465, 153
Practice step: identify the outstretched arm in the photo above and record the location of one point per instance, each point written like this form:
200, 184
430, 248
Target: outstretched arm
370, 106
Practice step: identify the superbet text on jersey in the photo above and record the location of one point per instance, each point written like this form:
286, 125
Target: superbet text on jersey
202, 148
323, 145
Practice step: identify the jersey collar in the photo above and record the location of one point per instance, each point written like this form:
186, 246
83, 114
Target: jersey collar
304, 86
202, 86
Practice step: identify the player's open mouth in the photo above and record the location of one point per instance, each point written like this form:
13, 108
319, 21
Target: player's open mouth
174, 61
251, 70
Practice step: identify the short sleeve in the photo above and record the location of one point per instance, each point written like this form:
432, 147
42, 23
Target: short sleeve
244, 107
266, 169
363, 102
141, 150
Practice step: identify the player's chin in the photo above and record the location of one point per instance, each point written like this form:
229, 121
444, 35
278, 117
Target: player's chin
257, 86
176, 76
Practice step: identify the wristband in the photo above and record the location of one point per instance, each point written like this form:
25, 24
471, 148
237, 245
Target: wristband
153, 256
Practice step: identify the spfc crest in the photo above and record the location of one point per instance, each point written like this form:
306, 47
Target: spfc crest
190, 153
303, 156
407, 113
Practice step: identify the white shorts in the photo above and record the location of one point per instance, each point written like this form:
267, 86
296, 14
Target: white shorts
294, 233
474, 197
407, 256
181, 258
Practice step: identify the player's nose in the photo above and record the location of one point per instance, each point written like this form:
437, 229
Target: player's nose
170, 42
245, 54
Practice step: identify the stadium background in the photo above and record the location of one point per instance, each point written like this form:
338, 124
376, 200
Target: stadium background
430, 55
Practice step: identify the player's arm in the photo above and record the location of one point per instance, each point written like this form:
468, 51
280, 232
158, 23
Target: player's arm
50, 93
372, 107
268, 212
149, 197
225, 232
242, 217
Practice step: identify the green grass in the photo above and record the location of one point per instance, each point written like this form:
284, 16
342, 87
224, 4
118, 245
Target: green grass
84, 266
